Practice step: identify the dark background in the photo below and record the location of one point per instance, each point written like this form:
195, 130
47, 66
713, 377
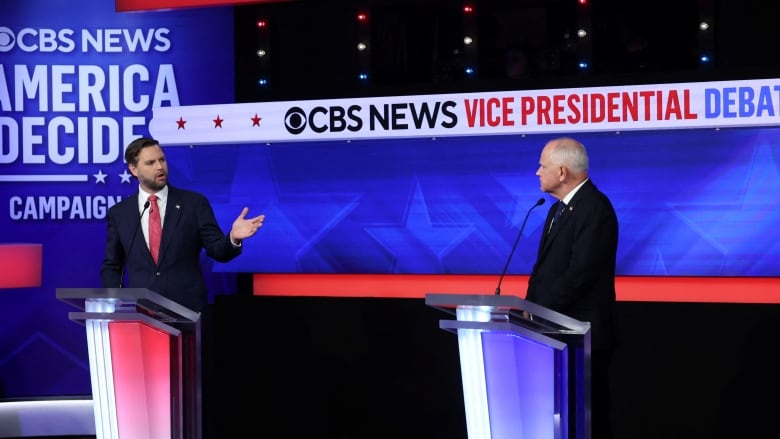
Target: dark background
416, 46
381, 368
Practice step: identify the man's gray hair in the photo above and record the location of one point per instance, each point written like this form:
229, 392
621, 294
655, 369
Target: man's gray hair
570, 153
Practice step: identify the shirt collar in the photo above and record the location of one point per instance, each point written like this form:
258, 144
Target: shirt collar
567, 199
162, 195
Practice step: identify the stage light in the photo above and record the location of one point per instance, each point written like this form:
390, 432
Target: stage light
582, 65
260, 53
704, 25
262, 24
262, 82
362, 41
469, 71
468, 9
467, 40
704, 59
582, 33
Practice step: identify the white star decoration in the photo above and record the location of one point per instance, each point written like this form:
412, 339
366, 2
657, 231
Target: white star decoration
125, 176
100, 177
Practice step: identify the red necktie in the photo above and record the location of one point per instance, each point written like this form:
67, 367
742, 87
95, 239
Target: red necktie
155, 228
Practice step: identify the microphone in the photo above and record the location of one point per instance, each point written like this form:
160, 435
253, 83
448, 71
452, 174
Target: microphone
539, 202
130, 247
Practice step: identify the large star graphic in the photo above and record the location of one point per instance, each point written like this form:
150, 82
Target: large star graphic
419, 244
722, 229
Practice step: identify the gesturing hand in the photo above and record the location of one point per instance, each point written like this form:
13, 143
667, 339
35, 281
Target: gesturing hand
244, 227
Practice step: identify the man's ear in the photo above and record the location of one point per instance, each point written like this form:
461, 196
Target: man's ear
133, 170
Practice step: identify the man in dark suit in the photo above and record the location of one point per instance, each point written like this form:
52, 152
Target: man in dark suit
188, 227
185, 227
574, 273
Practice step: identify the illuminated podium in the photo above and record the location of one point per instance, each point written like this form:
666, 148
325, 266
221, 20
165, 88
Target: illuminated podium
144, 362
525, 369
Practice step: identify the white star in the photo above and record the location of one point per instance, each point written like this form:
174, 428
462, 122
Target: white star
125, 176
100, 177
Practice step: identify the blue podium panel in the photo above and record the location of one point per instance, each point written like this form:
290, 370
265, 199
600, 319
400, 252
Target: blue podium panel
522, 390
515, 366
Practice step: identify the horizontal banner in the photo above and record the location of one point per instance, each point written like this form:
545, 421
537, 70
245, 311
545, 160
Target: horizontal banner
643, 107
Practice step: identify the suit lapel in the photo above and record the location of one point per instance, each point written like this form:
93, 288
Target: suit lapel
565, 216
546, 232
131, 211
173, 210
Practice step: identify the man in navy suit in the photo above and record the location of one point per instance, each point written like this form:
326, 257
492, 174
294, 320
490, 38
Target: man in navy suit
188, 227
574, 273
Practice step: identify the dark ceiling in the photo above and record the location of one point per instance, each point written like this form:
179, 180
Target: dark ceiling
417, 45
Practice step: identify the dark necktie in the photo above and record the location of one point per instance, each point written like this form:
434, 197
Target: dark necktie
155, 228
558, 211
561, 208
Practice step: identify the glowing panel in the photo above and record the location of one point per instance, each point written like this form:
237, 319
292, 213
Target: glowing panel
142, 378
20, 265
629, 288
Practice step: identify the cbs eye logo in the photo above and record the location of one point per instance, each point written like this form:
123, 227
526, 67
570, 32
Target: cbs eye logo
295, 120
7, 39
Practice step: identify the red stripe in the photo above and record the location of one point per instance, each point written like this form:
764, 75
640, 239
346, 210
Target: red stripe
629, 288
20, 265
149, 5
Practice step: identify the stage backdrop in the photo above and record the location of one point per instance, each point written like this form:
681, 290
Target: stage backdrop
441, 184
78, 82
401, 185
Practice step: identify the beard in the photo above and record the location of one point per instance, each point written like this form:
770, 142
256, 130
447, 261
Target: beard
154, 184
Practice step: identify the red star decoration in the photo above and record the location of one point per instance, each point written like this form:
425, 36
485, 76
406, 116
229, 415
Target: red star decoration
180, 123
218, 122
256, 120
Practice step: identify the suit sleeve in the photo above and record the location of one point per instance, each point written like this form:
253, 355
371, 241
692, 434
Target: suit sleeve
111, 269
215, 241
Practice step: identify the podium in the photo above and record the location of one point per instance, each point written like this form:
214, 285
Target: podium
525, 369
144, 362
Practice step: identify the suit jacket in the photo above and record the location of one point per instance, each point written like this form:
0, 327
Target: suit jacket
189, 227
574, 272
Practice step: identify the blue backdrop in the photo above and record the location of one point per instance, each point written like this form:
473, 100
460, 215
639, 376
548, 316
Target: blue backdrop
697, 202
